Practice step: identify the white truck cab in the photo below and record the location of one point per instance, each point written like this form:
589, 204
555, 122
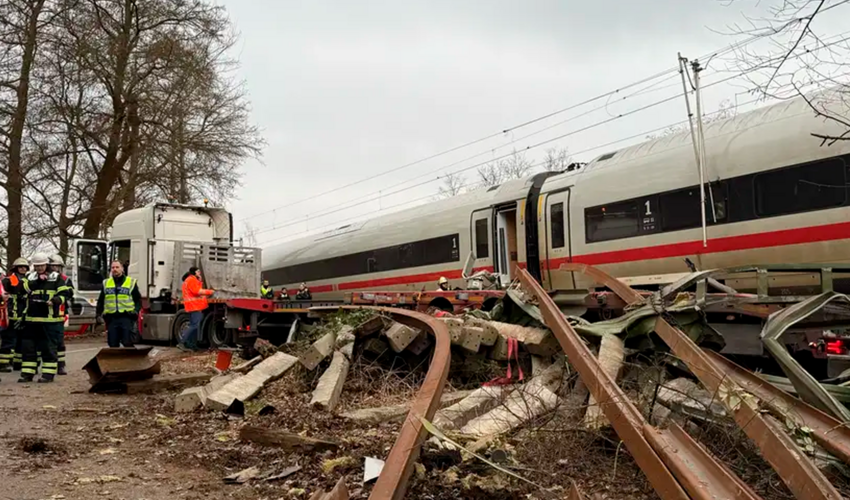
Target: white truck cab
157, 244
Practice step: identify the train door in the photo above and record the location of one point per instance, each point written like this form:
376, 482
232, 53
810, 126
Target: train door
481, 239
506, 243
555, 239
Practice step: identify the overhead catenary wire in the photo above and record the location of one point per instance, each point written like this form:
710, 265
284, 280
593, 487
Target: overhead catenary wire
724, 50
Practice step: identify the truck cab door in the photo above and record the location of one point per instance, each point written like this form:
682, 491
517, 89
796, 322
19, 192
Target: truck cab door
89, 266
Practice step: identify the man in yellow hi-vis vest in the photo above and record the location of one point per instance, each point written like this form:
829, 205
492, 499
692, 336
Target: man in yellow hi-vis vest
45, 317
119, 303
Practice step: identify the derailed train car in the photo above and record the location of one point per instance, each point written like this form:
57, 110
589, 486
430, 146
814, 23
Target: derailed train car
778, 194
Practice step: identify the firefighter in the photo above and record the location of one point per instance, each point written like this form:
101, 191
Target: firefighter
303, 293
45, 318
443, 284
284, 294
57, 265
15, 295
119, 303
266, 291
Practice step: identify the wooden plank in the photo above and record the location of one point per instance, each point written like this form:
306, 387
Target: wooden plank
247, 365
166, 382
327, 392
285, 440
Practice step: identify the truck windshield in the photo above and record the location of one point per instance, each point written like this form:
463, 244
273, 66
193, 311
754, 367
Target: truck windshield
91, 265
120, 251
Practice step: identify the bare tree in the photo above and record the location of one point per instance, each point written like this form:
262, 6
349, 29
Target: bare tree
19, 28
808, 63
496, 172
453, 185
557, 160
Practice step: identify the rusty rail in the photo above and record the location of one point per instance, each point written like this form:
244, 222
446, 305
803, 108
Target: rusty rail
691, 468
392, 483
826, 430
798, 472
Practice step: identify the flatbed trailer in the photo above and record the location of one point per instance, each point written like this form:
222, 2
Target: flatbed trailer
240, 320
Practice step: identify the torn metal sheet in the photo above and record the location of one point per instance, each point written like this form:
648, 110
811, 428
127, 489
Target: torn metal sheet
113, 366
807, 387
839, 392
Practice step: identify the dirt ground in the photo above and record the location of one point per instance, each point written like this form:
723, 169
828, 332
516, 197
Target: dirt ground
58, 441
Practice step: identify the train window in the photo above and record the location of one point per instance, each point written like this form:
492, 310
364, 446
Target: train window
611, 222
814, 186
680, 209
556, 215
482, 237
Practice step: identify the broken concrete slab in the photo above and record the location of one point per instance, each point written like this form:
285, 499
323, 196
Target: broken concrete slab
344, 337
396, 413
327, 392
420, 344
348, 351
369, 327
526, 403
195, 397
317, 352
490, 334
246, 387
478, 403
537, 341
285, 440
687, 398
400, 336
455, 326
538, 364
611, 356
471, 338
375, 346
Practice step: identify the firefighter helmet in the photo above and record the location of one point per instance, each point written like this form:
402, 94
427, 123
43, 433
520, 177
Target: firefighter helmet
21, 262
443, 280
40, 259
56, 260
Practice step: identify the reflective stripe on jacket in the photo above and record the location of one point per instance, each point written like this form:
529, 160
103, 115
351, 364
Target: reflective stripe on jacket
40, 305
194, 294
118, 299
16, 305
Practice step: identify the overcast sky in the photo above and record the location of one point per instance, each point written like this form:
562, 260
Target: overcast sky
345, 90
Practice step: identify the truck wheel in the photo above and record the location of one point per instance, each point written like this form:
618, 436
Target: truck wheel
180, 324
214, 332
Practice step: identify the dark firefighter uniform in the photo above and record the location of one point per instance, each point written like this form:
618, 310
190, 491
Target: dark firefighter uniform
57, 264
16, 308
45, 321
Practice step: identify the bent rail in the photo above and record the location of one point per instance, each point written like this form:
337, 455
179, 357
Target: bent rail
392, 483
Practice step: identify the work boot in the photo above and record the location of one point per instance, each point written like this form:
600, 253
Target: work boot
25, 379
61, 370
7, 368
184, 348
45, 379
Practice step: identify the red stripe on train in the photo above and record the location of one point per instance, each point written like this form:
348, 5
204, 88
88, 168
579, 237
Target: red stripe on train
827, 232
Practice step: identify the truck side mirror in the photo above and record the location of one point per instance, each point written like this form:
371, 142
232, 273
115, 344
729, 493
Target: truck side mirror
467, 267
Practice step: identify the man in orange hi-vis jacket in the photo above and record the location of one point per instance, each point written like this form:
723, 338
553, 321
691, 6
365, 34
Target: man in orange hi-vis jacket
194, 303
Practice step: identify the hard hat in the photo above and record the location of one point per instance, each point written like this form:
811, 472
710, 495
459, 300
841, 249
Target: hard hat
443, 280
20, 262
56, 260
40, 259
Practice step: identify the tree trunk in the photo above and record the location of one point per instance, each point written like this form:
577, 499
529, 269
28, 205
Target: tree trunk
15, 177
113, 161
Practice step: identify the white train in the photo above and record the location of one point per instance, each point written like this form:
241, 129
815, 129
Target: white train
780, 196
